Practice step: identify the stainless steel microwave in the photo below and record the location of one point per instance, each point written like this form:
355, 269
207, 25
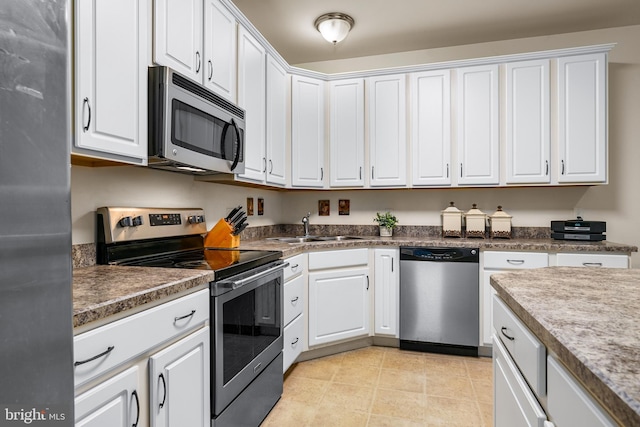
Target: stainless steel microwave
192, 129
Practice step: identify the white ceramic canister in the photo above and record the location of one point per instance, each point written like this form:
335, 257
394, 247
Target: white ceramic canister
475, 220
500, 224
451, 221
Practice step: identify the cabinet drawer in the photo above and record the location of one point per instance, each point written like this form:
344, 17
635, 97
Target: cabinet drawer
293, 299
514, 404
101, 349
593, 260
515, 260
293, 341
525, 349
295, 267
568, 403
337, 259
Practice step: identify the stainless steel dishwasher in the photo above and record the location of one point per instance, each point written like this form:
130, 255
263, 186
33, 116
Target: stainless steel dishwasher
439, 293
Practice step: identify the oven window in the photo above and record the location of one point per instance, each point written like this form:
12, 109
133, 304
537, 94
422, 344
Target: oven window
251, 324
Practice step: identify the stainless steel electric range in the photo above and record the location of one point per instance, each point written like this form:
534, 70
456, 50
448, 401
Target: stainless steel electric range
245, 307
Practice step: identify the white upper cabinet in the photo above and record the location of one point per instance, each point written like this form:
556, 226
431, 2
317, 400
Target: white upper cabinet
528, 135
307, 132
220, 36
582, 121
387, 131
478, 125
252, 97
347, 133
111, 80
276, 122
431, 127
178, 36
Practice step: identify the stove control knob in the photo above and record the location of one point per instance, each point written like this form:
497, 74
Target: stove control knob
137, 220
195, 219
127, 221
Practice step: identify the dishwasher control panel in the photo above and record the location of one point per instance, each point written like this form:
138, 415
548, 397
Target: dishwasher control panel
440, 254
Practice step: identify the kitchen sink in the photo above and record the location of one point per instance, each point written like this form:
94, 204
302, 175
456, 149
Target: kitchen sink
306, 239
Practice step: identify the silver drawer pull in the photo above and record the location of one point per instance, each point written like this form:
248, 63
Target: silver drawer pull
294, 300
592, 264
503, 329
294, 267
295, 342
515, 261
175, 319
104, 353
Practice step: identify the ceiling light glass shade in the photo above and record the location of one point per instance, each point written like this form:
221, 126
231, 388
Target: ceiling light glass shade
334, 26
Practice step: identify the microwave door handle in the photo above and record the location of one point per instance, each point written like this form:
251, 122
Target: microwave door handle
223, 138
236, 158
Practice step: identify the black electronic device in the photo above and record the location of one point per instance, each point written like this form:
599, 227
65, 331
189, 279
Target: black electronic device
578, 229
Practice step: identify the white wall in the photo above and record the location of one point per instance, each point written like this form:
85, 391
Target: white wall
92, 188
617, 203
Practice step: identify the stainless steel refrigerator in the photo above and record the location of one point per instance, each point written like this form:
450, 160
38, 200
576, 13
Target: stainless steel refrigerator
36, 332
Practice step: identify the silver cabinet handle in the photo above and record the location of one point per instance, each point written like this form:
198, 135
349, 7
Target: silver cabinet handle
592, 264
503, 329
447, 170
197, 62
515, 261
367, 282
294, 300
295, 341
392, 265
135, 394
98, 356
175, 319
88, 104
360, 172
321, 174
460, 170
294, 267
210, 69
164, 397
270, 166
546, 167
264, 164
562, 163
372, 172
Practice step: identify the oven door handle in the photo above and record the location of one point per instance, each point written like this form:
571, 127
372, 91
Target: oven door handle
240, 283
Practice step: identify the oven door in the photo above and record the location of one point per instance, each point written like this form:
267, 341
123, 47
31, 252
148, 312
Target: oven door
247, 324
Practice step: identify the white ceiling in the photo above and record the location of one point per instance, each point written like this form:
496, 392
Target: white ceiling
383, 26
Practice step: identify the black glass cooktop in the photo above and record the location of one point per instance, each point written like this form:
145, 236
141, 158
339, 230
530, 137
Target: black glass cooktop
224, 262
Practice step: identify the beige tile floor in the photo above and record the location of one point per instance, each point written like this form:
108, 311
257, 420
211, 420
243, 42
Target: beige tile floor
381, 386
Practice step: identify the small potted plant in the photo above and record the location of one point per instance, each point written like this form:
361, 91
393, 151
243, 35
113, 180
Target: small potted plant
387, 222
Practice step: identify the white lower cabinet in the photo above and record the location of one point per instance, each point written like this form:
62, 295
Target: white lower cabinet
338, 295
387, 292
514, 404
593, 260
113, 403
179, 383
496, 262
569, 404
111, 362
295, 280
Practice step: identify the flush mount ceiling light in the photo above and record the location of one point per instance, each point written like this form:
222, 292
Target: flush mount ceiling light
334, 26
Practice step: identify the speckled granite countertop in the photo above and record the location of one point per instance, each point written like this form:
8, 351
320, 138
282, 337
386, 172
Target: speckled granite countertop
538, 245
100, 291
589, 317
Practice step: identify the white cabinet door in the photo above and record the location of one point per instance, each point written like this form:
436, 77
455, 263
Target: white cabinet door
293, 337
528, 134
431, 127
307, 132
111, 80
220, 35
347, 133
179, 392
252, 97
514, 403
486, 307
387, 291
478, 130
113, 403
388, 131
582, 121
178, 36
276, 122
338, 305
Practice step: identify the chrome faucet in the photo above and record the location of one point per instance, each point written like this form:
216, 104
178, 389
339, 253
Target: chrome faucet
305, 224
